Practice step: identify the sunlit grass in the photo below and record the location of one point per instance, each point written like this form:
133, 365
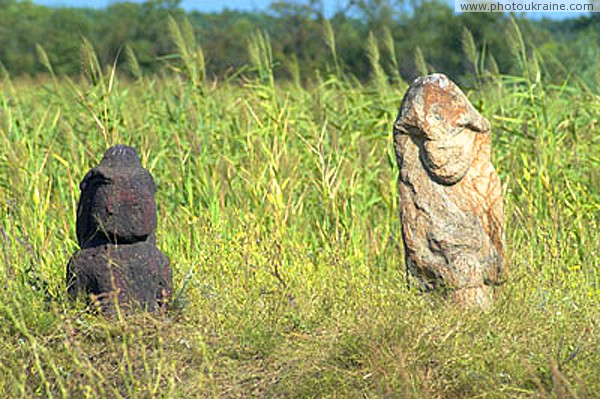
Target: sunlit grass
278, 211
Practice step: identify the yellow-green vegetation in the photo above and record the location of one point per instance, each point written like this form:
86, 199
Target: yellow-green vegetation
278, 211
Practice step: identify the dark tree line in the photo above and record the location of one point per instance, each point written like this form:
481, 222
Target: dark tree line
430, 28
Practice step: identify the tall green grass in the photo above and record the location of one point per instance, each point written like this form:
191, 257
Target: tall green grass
278, 210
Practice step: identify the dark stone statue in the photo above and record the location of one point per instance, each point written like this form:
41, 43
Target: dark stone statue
116, 229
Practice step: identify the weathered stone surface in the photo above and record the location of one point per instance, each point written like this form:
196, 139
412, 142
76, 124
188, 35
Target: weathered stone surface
133, 274
116, 230
117, 200
450, 194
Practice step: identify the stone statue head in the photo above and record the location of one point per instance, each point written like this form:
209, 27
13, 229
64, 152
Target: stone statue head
437, 115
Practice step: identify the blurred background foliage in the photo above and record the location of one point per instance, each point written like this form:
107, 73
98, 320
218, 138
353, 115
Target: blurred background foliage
421, 30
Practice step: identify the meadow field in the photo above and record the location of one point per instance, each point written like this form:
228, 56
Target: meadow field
278, 210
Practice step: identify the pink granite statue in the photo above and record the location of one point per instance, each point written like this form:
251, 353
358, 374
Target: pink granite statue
450, 194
